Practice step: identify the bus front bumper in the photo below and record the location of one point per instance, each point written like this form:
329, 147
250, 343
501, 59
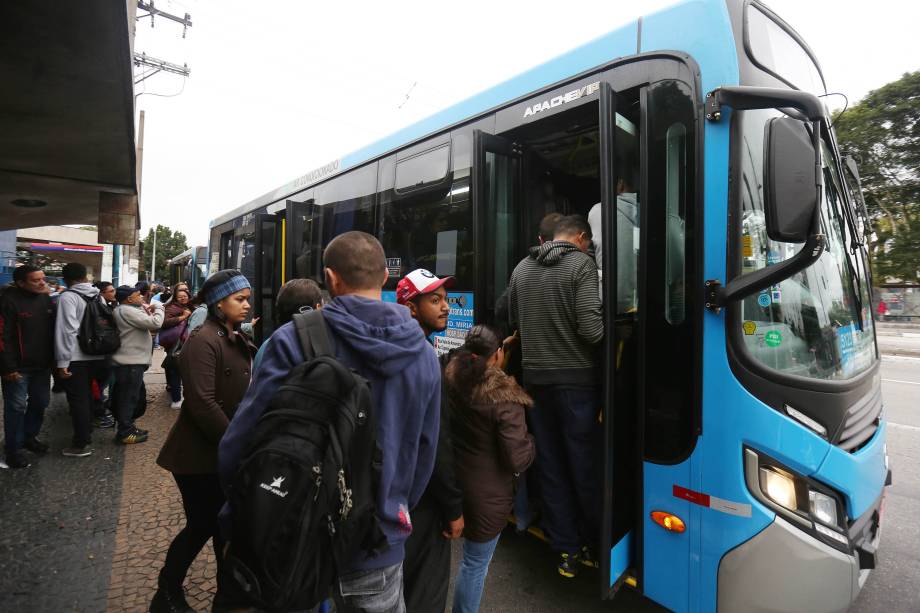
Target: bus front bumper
785, 569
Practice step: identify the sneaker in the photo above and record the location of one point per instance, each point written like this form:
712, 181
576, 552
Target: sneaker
104, 422
36, 446
177, 404
136, 436
77, 452
568, 564
17, 460
588, 558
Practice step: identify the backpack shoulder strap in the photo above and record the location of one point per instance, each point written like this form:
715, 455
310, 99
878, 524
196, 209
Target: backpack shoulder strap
311, 330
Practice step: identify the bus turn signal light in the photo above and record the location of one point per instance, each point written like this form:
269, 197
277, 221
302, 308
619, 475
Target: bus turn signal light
669, 522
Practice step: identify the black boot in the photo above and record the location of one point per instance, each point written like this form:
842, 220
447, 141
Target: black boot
167, 600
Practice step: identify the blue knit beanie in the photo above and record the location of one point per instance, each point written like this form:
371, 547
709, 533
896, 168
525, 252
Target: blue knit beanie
222, 284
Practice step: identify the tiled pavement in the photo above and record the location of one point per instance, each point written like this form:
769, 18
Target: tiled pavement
90, 534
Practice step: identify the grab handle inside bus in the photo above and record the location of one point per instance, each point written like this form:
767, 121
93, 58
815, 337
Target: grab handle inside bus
793, 182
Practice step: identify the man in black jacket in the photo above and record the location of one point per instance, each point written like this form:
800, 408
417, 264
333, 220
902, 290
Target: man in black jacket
438, 517
26, 356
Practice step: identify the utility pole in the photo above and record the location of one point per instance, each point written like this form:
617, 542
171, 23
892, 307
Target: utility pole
157, 65
153, 66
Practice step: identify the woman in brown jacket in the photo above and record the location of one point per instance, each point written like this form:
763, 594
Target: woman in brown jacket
491, 446
178, 310
215, 364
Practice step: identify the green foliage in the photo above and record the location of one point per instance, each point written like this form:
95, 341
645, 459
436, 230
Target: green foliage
169, 245
882, 133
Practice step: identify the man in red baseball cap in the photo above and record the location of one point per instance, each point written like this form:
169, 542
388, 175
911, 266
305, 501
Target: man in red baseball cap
426, 296
438, 517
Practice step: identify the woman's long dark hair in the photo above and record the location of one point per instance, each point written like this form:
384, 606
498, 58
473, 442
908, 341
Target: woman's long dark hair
469, 362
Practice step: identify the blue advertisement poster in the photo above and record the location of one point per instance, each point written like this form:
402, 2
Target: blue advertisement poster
847, 347
459, 322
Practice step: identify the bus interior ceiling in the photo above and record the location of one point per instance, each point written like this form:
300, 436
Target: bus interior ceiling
562, 158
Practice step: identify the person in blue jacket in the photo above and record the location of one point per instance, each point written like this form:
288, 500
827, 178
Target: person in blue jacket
385, 345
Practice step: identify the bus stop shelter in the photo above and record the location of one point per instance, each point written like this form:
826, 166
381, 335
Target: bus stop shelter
67, 152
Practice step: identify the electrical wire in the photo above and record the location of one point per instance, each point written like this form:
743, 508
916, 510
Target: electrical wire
846, 105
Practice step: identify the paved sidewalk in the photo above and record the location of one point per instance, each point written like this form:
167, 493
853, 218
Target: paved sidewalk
90, 534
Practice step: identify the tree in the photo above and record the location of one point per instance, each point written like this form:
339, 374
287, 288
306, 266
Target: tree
169, 245
882, 133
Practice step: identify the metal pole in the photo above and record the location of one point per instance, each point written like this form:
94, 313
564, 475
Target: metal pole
152, 273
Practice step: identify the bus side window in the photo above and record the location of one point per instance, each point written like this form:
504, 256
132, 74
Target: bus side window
675, 204
347, 202
433, 231
426, 215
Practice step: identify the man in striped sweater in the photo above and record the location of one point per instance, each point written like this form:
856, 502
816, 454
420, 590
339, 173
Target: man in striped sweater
557, 310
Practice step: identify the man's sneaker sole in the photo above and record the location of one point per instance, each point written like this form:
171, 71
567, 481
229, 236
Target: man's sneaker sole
77, 453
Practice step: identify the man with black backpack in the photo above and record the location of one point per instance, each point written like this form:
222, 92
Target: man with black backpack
84, 335
298, 531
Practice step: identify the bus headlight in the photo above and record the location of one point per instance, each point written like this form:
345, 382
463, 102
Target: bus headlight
823, 508
810, 505
779, 486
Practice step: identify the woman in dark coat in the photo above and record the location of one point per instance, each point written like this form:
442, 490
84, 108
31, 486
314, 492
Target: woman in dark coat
491, 446
215, 363
178, 310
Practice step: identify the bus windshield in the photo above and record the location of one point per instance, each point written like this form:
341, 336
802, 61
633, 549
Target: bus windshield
807, 325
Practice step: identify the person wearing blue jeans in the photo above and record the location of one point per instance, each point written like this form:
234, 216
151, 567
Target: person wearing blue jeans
26, 357
24, 404
491, 448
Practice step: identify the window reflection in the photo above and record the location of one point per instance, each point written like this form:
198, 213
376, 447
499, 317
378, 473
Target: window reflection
808, 324
432, 230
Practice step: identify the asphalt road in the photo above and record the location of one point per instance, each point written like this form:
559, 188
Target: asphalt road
893, 585
522, 576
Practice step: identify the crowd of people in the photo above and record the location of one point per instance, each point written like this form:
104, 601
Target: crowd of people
94, 342
456, 433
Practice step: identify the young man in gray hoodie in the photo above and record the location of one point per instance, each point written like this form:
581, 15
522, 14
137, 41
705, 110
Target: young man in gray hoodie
76, 369
135, 322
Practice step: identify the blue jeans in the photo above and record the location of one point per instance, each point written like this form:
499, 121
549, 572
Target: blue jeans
24, 404
569, 441
126, 393
371, 591
523, 514
472, 574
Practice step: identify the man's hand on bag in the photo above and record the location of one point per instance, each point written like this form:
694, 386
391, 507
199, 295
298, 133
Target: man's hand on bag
454, 529
64, 373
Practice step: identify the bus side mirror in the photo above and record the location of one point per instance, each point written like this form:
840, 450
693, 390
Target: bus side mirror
791, 183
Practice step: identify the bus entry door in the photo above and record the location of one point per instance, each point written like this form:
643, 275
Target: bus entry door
497, 214
268, 273
620, 523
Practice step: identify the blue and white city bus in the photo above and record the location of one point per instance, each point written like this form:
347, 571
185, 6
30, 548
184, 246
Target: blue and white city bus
744, 458
190, 267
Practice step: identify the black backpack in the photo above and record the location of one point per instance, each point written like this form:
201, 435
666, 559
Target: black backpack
303, 498
98, 334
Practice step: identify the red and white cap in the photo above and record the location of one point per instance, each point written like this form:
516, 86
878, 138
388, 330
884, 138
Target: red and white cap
418, 282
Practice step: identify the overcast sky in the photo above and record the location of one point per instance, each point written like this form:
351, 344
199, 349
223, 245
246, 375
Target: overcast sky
278, 88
